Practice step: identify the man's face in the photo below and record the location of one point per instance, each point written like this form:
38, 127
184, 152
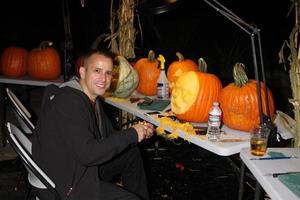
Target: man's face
96, 76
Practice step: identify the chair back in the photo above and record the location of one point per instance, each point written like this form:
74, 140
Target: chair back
22, 114
22, 145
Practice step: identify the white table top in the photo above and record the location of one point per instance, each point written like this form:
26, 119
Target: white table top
220, 148
259, 168
26, 80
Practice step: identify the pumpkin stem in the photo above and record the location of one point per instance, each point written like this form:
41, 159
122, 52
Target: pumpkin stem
202, 66
45, 44
151, 56
180, 56
239, 75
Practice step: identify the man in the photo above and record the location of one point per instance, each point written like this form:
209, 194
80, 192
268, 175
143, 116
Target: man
75, 144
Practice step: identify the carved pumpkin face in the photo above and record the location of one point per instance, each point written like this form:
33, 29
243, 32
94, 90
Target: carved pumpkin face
193, 95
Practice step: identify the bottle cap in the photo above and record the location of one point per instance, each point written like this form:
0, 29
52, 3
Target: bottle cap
216, 103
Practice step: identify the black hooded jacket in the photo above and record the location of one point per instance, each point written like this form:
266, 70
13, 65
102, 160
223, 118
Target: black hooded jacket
68, 145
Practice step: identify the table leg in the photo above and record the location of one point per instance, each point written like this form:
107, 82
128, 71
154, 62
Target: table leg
241, 185
2, 115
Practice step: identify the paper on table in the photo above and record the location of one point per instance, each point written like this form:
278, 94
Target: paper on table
292, 182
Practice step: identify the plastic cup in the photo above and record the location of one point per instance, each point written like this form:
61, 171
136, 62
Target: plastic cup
259, 140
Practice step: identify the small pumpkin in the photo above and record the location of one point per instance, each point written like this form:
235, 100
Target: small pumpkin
44, 62
177, 68
14, 62
194, 93
148, 71
78, 63
128, 78
239, 101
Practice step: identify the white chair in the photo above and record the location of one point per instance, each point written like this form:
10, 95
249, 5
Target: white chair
23, 116
36, 176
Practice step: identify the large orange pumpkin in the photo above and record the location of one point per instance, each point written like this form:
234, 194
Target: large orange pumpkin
239, 101
14, 61
194, 93
148, 71
177, 68
44, 62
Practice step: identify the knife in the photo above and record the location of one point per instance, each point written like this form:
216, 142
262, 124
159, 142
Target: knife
275, 175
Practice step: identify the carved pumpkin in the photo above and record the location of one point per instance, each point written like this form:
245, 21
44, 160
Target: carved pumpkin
177, 68
148, 71
239, 101
14, 62
44, 62
194, 93
128, 78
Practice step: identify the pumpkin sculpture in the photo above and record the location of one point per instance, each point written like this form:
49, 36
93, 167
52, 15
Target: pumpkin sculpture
44, 62
148, 71
177, 68
194, 93
128, 78
14, 62
239, 101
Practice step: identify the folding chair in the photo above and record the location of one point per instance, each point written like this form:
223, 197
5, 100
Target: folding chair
36, 176
22, 114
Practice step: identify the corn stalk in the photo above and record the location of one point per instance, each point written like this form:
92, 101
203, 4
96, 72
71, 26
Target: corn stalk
294, 72
122, 31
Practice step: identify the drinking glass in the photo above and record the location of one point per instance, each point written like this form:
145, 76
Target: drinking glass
259, 140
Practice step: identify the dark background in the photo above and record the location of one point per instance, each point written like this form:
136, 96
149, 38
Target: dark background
192, 28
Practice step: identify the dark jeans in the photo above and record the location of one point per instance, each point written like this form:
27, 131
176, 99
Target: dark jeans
129, 166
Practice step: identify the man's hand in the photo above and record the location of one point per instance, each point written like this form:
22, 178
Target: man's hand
144, 130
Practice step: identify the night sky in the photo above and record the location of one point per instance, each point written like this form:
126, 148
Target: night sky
193, 28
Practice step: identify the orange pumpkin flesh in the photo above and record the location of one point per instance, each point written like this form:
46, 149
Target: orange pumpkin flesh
193, 95
239, 105
177, 68
14, 62
148, 71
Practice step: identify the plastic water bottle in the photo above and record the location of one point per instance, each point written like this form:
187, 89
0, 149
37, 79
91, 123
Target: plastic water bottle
214, 123
162, 82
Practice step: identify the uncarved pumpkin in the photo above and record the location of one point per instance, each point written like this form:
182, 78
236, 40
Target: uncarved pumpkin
239, 102
14, 62
127, 80
44, 62
78, 63
177, 68
148, 71
194, 93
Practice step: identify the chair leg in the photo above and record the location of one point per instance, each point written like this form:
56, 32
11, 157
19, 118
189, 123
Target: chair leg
27, 191
23, 174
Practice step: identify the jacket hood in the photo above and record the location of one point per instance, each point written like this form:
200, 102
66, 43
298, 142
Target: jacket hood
73, 83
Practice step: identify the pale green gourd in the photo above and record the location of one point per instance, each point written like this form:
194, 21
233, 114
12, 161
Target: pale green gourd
128, 78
